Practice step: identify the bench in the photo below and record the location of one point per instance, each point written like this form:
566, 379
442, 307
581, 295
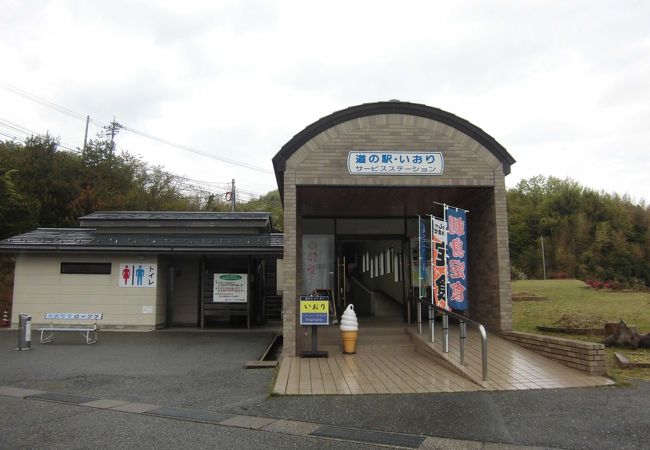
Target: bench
89, 331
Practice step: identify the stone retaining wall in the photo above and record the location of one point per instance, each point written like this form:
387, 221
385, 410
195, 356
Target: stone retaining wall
588, 357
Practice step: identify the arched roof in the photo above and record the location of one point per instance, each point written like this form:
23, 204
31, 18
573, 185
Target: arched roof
389, 107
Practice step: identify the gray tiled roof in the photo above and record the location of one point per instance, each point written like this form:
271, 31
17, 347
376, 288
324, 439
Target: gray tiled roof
175, 215
79, 239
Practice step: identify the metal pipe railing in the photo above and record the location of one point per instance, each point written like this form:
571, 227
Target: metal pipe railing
462, 322
369, 293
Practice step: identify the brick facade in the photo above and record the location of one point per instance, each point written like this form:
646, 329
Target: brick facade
322, 161
587, 357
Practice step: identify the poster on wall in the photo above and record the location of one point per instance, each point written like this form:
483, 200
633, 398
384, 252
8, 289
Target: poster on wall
456, 258
230, 288
138, 275
439, 262
317, 261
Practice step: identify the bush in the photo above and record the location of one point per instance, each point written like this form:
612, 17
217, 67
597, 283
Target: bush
516, 274
595, 284
559, 276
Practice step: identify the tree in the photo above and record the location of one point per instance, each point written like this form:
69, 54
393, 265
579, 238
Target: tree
16, 212
587, 234
270, 202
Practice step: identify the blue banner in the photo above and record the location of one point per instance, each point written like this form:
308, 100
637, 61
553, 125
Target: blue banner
424, 255
456, 258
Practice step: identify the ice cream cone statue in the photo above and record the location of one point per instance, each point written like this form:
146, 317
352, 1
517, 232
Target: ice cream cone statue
349, 330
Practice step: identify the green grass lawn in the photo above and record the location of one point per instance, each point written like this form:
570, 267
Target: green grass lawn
576, 298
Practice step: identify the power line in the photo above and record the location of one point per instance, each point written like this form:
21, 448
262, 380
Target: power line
195, 150
216, 184
26, 132
63, 110
41, 101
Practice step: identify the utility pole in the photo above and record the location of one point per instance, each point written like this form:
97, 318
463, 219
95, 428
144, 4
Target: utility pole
232, 195
113, 129
543, 258
83, 149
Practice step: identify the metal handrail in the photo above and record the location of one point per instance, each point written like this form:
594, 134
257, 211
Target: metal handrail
463, 321
362, 286
369, 292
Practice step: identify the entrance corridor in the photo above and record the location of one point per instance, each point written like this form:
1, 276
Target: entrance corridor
387, 362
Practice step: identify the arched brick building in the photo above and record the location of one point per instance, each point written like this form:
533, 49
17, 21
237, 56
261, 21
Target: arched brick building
355, 210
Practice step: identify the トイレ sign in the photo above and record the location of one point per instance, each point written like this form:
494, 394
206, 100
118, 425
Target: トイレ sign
314, 310
138, 275
230, 288
395, 163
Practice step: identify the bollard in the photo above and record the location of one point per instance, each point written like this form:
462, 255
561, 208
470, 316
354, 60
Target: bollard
445, 332
432, 318
24, 332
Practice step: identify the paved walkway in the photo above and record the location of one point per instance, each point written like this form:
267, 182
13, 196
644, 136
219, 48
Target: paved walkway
386, 362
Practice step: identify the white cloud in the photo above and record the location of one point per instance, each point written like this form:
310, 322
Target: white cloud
562, 85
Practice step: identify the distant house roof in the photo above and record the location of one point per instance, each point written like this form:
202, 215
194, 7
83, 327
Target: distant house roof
64, 240
390, 107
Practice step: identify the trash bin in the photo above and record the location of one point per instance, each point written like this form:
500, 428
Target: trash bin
24, 332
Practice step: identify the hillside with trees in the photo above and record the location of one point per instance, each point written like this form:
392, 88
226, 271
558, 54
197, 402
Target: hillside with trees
587, 234
43, 186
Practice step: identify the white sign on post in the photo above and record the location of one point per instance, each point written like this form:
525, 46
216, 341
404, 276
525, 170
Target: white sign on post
230, 288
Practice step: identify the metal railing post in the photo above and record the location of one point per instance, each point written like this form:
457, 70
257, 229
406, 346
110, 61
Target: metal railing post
463, 336
445, 332
431, 323
463, 321
484, 353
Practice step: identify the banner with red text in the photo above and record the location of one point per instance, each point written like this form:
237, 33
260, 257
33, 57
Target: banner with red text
456, 220
439, 262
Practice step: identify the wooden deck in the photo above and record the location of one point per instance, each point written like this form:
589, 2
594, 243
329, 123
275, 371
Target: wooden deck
386, 362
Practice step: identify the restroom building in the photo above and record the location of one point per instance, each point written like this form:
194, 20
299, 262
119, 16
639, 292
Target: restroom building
146, 270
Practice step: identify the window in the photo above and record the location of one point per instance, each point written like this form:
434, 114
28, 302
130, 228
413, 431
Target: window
86, 268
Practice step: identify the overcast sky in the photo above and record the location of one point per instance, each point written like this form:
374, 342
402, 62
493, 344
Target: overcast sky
564, 86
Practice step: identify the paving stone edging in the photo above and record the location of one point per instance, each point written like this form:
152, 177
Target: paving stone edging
267, 424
